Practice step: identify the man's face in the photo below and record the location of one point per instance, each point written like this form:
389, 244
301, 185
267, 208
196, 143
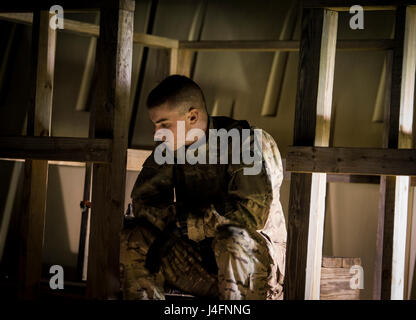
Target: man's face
164, 117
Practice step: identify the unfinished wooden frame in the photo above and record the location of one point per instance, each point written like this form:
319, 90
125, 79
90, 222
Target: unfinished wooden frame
312, 120
89, 29
107, 145
306, 159
394, 191
36, 171
109, 120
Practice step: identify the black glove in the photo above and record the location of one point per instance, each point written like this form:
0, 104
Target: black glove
161, 245
208, 256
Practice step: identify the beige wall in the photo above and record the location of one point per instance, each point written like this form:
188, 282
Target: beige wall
351, 225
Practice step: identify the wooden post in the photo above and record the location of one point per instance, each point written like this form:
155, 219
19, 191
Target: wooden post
392, 225
180, 62
32, 222
312, 121
109, 119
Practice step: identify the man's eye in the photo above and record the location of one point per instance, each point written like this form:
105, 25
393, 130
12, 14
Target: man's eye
165, 125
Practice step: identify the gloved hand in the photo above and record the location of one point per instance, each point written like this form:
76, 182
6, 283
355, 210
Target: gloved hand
182, 227
183, 266
161, 245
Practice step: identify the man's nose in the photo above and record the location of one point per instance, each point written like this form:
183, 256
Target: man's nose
158, 136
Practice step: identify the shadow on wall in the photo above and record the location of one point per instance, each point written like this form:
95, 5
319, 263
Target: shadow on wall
13, 110
63, 217
61, 229
9, 225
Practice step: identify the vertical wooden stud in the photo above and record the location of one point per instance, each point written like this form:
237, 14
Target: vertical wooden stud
110, 112
312, 125
32, 222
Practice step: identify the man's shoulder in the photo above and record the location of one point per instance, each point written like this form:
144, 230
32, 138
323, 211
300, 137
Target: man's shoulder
227, 123
150, 161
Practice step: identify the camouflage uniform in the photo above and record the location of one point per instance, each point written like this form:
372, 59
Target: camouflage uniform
220, 214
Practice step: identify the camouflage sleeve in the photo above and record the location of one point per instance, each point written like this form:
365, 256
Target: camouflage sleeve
248, 200
249, 197
152, 194
203, 227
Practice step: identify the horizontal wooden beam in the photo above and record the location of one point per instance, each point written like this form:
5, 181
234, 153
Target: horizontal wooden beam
30, 5
136, 158
368, 161
240, 45
345, 178
365, 8
365, 45
150, 40
352, 178
90, 29
368, 5
70, 5
56, 148
280, 45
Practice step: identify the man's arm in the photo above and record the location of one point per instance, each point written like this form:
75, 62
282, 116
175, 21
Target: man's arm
152, 194
248, 200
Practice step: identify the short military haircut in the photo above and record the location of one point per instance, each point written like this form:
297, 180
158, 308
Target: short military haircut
177, 91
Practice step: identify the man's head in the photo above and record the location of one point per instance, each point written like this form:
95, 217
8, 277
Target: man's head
177, 98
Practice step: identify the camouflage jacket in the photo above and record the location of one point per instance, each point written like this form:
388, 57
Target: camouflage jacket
209, 195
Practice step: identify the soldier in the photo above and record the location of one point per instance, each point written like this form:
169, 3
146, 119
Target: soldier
210, 230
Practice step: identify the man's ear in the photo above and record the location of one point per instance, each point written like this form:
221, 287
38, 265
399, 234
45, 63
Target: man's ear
193, 115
